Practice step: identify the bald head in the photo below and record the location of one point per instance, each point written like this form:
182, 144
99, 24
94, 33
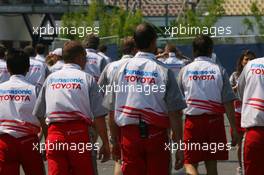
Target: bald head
145, 36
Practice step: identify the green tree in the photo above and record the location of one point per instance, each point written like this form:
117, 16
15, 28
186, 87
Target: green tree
205, 17
258, 20
112, 21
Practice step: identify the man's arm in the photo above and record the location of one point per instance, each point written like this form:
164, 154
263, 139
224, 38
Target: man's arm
103, 64
177, 135
114, 137
100, 126
40, 108
114, 129
228, 98
175, 104
176, 125
99, 112
242, 83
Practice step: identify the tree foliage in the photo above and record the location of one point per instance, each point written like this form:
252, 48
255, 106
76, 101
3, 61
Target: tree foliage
111, 21
257, 21
206, 16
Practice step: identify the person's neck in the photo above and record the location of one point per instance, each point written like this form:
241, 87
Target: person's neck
146, 50
18, 74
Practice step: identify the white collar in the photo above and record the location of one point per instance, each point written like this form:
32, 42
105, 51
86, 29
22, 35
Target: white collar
172, 54
18, 77
90, 50
147, 55
40, 55
60, 61
127, 56
71, 66
203, 58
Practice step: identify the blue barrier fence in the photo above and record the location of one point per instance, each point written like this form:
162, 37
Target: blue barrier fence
229, 53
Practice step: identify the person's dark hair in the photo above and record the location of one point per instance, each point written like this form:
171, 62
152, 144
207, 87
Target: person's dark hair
144, 35
71, 50
40, 49
2, 51
247, 53
17, 61
171, 47
91, 41
102, 48
202, 46
128, 45
29, 50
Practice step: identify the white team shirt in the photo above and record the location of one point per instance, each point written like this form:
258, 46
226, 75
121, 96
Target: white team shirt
107, 58
206, 87
4, 74
174, 63
144, 72
17, 100
95, 63
40, 58
110, 70
69, 94
37, 73
57, 66
251, 92
234, 81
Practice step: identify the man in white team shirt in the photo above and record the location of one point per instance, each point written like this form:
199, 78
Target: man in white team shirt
38, 70
71, 102
18, 127
128, 48
102, 51
172, 61
208, 95
95, 63
251, 91
4, 75
139, 119
40, 51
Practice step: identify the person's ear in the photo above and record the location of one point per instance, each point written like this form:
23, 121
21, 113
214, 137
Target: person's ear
210, 51
153, 45
8, 69
27, 70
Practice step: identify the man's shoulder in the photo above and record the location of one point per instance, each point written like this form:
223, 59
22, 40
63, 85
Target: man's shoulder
257, 61
19, 84
36, 62
93, 55
2, 62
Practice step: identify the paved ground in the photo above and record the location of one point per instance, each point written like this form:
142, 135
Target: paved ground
224, 167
